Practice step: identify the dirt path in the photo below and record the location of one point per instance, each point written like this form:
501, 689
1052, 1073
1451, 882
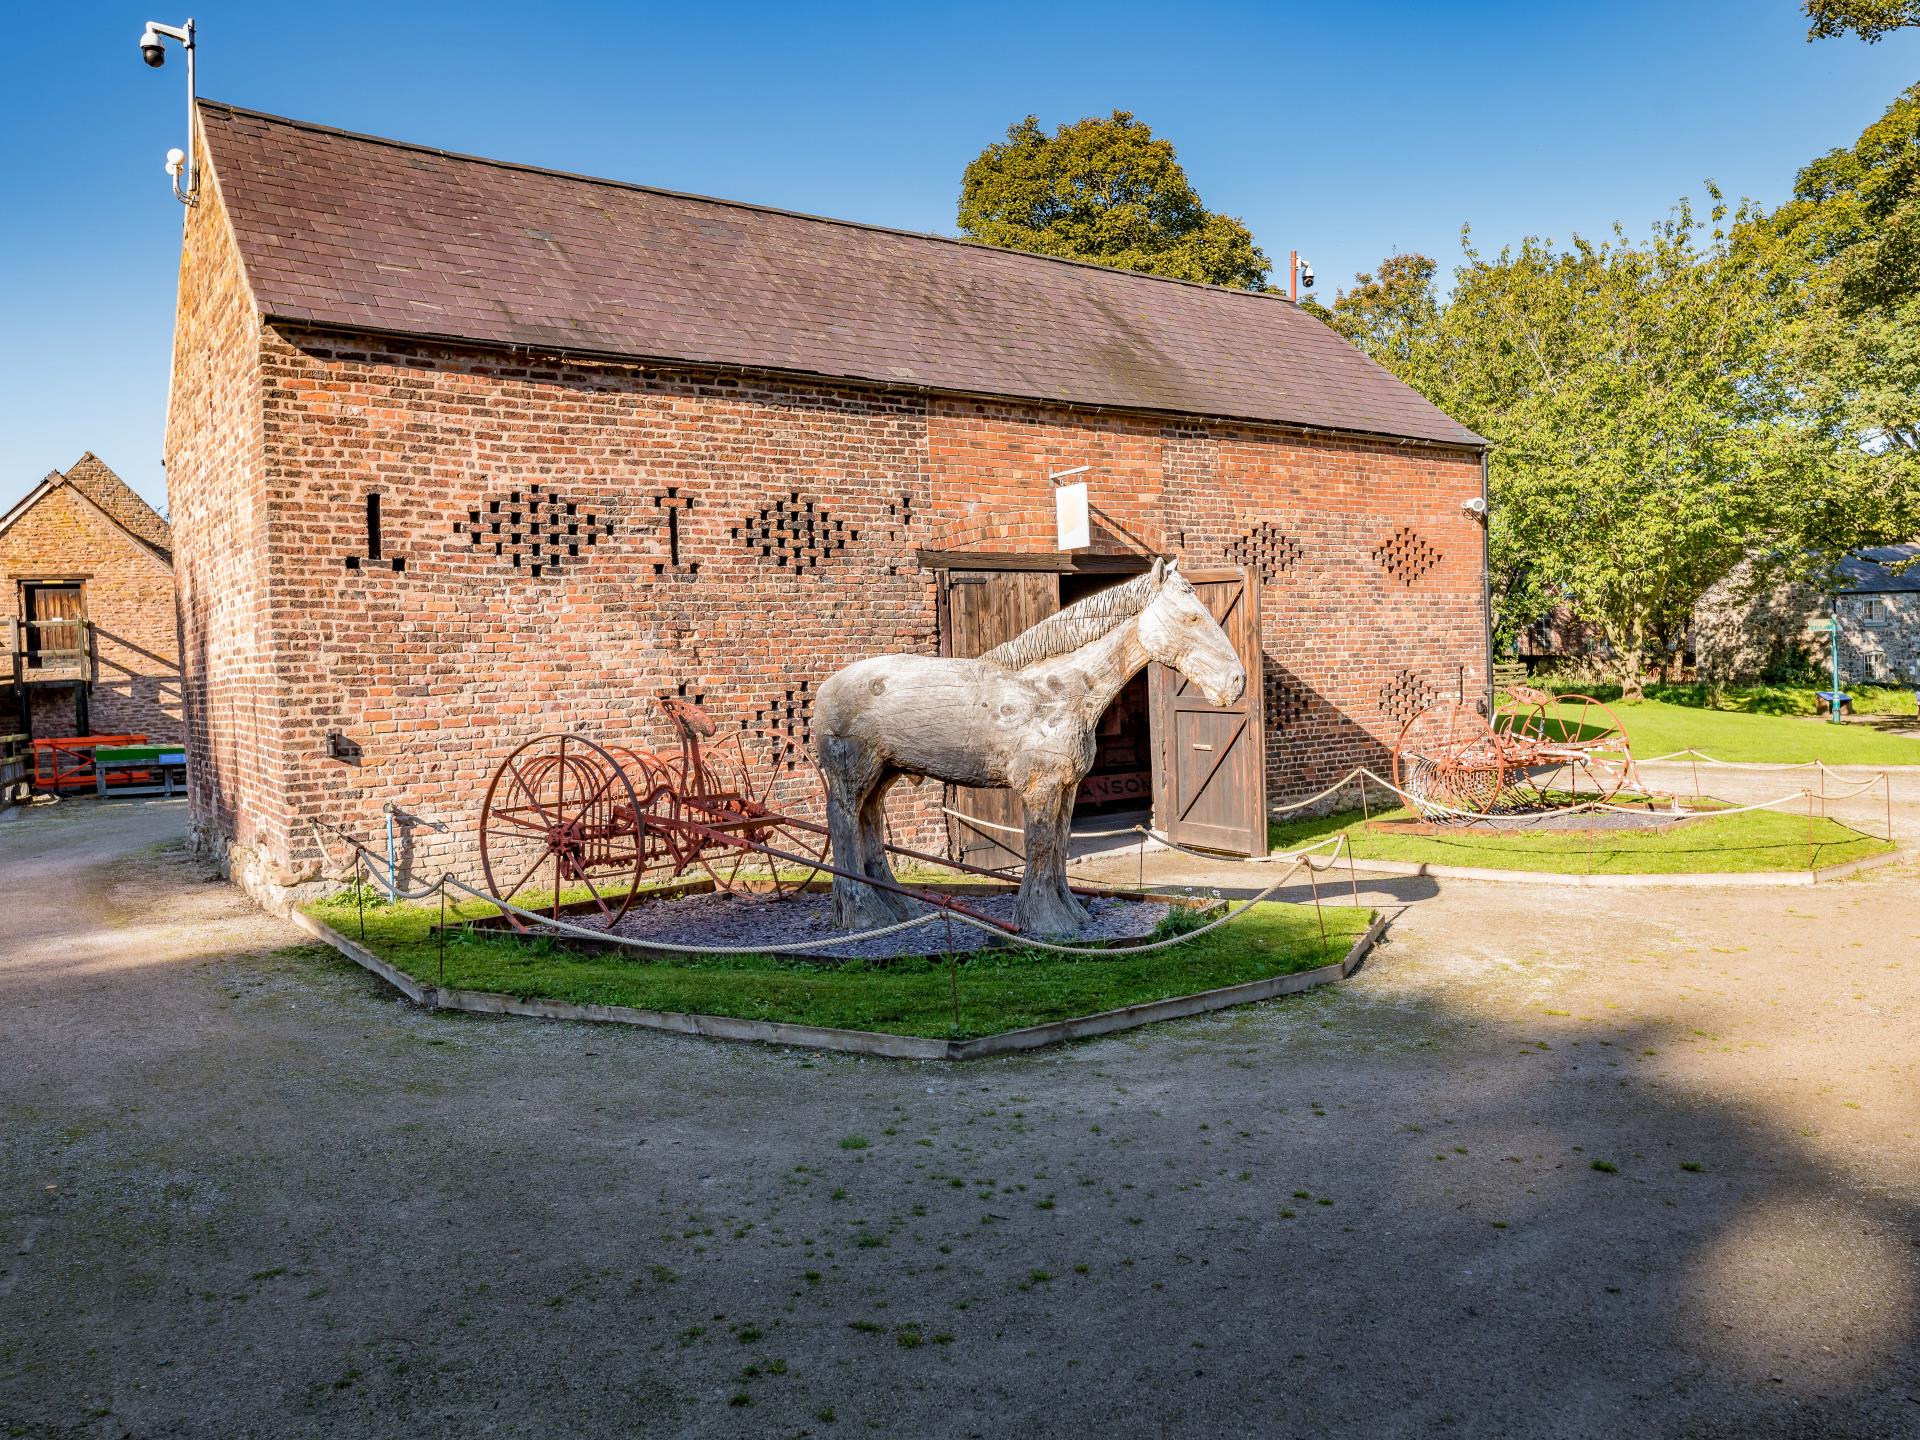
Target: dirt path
245, 1192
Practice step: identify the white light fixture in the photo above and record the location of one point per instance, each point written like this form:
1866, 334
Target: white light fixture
1475, 508
153, 50
1072, 527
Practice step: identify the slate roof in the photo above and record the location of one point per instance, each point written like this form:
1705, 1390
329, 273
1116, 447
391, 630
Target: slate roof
1865, 572
352, 231
91, 477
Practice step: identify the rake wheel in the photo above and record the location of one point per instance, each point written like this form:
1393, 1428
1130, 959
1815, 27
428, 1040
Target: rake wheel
1547, 735
1449, 759
561, 810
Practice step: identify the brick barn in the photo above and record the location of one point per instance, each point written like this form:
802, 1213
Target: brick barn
94, 645
460, 452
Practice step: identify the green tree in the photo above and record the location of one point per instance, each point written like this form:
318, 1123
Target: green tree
1107, 191
1743, 387
1649, 427
1869, 19
1854, 223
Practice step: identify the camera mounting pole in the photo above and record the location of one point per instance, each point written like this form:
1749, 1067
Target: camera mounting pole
153, 50
1299, 275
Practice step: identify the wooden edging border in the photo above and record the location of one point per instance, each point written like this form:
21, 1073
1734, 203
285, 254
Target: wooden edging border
1700, 878
852, 1042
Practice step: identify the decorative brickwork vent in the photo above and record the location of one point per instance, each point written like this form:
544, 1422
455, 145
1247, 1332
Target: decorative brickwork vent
794, 533
899, 532
1405, 696
540, 532
1405, 556
1286, 700
673, 504
1266, 548
790, 714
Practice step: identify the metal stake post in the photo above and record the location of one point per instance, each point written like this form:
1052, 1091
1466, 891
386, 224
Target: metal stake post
360, 892
953, 978
441, 978
1314, 885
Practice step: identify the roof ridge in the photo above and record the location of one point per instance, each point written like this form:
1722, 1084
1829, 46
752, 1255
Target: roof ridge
974, 246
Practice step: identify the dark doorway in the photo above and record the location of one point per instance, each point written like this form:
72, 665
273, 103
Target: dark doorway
1121, 780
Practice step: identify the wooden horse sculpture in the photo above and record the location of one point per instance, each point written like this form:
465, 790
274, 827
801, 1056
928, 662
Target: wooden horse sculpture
1020, 717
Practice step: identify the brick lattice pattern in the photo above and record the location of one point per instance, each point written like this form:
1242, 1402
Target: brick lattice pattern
1405, 556
1287, 700
790, 714
1267, 549
795, 533
1405, 696
534, 529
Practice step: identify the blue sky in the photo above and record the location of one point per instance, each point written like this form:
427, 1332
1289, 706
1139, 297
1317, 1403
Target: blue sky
1346, 131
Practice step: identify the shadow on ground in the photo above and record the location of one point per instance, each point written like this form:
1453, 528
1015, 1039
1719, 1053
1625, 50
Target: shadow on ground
1488, 1188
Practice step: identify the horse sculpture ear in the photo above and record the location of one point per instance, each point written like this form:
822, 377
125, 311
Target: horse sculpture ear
1158, 574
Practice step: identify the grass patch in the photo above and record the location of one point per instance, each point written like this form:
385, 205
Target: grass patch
1760, 723
1000, 990
1756, 840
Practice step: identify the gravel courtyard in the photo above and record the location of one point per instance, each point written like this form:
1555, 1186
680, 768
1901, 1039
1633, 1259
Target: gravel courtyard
1556, 1162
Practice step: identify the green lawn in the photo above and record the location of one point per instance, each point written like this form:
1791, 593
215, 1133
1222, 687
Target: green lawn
1755, 840
1762, 724
999, 990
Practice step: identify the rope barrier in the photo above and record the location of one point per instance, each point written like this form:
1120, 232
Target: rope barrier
801, 947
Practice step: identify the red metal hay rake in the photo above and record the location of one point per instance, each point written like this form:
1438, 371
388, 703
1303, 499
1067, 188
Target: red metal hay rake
564, 812
1450, 759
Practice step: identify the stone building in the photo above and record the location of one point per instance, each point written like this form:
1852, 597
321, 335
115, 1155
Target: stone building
461, 452
94, 646
1743, 630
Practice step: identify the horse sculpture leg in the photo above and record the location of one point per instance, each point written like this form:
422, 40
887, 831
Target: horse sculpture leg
1046, 906
856, 820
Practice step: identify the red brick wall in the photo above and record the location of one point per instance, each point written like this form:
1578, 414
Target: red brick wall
433, 672
217, 502
129, 598
1349, 643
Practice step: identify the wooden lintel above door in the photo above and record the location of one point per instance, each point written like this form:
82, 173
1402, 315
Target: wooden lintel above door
1051, 561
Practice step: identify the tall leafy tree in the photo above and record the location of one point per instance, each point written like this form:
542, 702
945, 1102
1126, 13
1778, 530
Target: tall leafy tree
1869, 19
1107, 191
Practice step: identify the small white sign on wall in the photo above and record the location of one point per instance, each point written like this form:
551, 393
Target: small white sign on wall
1070, 516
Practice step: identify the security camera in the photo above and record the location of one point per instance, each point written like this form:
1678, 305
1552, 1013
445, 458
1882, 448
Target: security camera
1306, 275
1476, 507
176, 160
151, 49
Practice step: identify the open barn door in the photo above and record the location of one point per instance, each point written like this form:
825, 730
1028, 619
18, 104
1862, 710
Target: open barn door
1210, 771
982, 609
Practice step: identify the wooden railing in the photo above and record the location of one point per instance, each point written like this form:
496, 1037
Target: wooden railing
16, 769
45, 650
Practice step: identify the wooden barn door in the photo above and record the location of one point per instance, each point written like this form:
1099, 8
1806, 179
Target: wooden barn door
982, 609
1210, 776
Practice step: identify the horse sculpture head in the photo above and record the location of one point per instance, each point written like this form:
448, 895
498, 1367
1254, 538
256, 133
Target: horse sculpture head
1178, 630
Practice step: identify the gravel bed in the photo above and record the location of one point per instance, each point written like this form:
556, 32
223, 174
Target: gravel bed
716, 919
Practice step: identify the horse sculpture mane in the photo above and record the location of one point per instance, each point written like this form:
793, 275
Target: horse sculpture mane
1081, 623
